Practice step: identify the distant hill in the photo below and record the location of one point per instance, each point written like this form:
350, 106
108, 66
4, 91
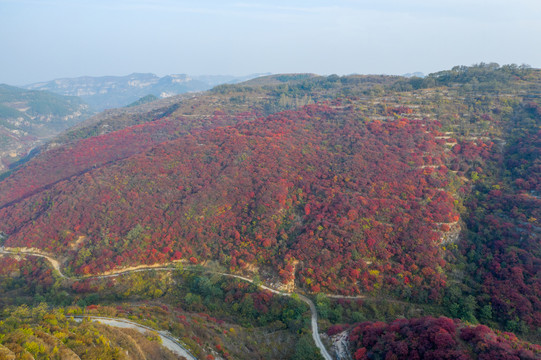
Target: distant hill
280, 79
29, 117
415, 74
108, 92
144, 100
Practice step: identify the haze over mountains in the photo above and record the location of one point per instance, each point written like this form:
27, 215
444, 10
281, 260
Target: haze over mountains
107, 92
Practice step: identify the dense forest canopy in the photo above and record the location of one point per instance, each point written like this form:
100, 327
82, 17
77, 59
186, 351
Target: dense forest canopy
419, 191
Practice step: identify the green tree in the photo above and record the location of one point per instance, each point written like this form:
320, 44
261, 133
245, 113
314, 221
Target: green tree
306, 349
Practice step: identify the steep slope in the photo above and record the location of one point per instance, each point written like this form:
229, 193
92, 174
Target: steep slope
310, 186
74, 158
29, 117
503, 241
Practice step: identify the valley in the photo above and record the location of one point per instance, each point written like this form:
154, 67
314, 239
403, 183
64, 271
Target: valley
117, 322
30, 118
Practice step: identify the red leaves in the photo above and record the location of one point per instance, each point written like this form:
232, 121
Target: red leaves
329, 186
370, 242
440, 338
166, 250
360, 354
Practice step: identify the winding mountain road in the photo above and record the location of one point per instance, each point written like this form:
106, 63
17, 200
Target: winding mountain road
168, 341
23, 252
56, 266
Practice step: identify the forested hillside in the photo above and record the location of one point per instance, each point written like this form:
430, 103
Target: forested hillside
219, 195
442, 338
415, 192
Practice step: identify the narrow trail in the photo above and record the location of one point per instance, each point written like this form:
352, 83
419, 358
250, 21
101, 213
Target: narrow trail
56, 265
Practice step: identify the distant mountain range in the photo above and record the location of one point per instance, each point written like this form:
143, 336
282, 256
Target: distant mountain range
107, 92
415, 74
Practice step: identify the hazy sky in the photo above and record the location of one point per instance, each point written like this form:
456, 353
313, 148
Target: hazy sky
46, 39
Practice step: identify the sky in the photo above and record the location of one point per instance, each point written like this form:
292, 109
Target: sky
42, 40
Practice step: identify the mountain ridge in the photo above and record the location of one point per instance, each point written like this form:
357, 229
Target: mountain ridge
103, 92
